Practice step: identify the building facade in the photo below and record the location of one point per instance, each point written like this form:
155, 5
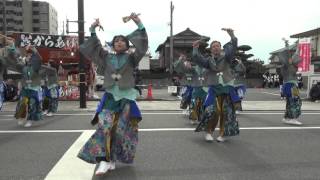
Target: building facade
275, 65
314, 36
182, 43
28, 16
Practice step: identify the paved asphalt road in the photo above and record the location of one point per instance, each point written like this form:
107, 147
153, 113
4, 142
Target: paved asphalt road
253, 94
168, 149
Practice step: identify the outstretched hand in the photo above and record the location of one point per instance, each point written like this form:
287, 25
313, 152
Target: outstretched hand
229, 31
96, 23
196, 44
187, 64
135, 18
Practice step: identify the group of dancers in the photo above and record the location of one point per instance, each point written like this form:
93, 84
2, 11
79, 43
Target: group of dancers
214, 88
39, 91
117, 116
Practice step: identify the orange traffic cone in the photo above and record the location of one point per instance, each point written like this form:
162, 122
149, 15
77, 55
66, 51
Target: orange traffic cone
149, 96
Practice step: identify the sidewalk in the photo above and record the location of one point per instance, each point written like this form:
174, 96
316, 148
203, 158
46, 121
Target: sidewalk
174, 106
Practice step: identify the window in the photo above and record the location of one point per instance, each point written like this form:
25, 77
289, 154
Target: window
10, 29
36, 29
35, 21
35, 13
317, 68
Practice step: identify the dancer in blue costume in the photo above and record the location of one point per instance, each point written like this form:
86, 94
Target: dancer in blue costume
219, 103
117, 115
289, 68
50, 89
193, 76
7, 59
29, 105
186, 81
239, 82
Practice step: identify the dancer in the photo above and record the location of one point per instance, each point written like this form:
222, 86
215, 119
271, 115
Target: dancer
194, 95
7, 59
289, 67
186, 90
50, 89
221, 94
29, 105
117, 115
239, 83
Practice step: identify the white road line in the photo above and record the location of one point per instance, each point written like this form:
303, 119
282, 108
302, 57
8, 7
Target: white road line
279, 128
270, 93
71, 167
265, 113
6, 119
175, 113
275, 94
164, 129
167, 129
241, 128
41, 131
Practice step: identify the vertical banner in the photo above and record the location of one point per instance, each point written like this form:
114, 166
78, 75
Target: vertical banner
305, 54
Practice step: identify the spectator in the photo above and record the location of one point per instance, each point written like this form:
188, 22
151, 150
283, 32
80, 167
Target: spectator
300, 83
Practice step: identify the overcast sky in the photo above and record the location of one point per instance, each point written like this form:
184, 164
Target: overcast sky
260, 24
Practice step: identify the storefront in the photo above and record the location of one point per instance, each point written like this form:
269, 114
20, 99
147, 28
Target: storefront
64, 52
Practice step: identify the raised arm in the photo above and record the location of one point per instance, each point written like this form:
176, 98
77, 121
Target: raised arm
36, 59
231, 47
47, 70
50, 73
240, 67
92, 48
198, 58
11, 60
296, 57
285, 58
139, 39
182, 65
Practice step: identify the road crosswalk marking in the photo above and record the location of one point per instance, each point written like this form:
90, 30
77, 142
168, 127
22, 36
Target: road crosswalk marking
71, 167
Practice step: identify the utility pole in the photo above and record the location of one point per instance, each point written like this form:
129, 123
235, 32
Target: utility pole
4, 29
82, 74
171, 39
63, 28
4, 17
82, 83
